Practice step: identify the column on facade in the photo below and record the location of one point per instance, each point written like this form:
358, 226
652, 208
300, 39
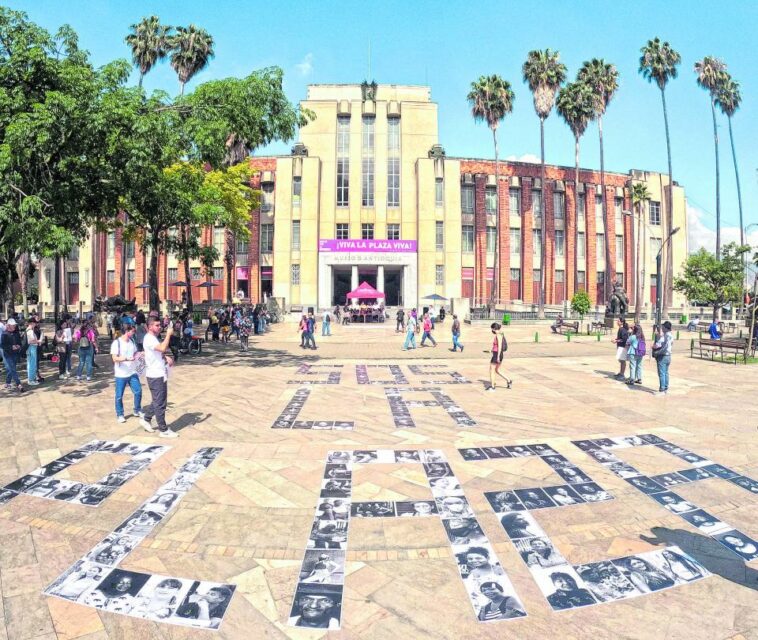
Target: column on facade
548, 219
569, 243
630, 247
527, 247
590, 241
480, 237
610, 239
504, 235
354, 277
380, 278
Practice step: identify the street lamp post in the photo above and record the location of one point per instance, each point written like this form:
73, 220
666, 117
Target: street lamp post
658, 291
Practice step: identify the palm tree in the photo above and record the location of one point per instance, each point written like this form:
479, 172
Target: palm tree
491, 99
710, 72
728, 99
191, 50
575, 105
603, 80
658, 64
149, 43
640, 195
544, 75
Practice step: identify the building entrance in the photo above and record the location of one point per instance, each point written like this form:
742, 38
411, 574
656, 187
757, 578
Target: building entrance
393, 286
341, 280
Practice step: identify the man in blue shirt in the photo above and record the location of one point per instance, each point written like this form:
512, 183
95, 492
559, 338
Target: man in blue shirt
714, 332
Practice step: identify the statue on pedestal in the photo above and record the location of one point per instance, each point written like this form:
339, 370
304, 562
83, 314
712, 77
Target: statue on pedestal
618, 303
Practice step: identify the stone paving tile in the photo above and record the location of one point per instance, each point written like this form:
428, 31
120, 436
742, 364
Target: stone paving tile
247, 518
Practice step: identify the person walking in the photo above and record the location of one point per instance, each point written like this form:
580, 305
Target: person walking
85, 336
497, 352
622, 335
310, 325
302, 327
156, 372
326, 324
32, 346
11, 343
400, 321
410, 333
428, 326
125, 357
456, 331
662, 354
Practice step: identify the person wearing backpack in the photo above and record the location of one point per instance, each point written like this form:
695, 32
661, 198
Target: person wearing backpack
662, 355
87, 348
635, 354
456, 330
497, 352
125, 357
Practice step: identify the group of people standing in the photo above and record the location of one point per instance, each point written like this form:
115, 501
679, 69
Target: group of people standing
631, 348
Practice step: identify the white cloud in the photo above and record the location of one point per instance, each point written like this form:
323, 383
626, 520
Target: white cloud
699, 235
527, 157
305, 68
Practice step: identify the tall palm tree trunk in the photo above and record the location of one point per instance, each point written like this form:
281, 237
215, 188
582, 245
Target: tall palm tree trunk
607, 283
718, 188
576, 217
668, 269
495, 293
541, 309
737, 177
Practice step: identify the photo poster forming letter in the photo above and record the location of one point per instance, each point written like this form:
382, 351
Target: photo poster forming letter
362, 374
96, 580
332, 377
400, 407
318, 597
287, 419
659, 487
566, 586
42, 482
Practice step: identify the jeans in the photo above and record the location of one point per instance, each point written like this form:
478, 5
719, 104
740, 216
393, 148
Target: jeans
261, 325
663, 372
159, 398
428, 334
134, 384
31, 363
410, 340
310, 340
456, 345
11, 361
635, 368
326, 328
86, 355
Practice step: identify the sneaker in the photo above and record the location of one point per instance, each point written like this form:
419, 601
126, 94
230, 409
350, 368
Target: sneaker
121, 419
145, 424
491, 389
461, 348
20, 389
7, 387
168, 433
139, 414
78, 378
88, 379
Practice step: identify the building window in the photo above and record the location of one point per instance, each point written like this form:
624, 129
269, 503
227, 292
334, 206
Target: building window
267, 197
581, 245
439, 192
367, 165
560, 242
490, 200
536, 242
129, 249
581, 280
655, 213
130, 275
515, 274
600, 278
599, 210
296, 235
367, 231
393, 136
467, 198
267, 238
111, 245
559, 205
173, 275
618, 208
515, 234
110, 277
343, 231
297, 190
467, 238
537, 204
219, 238
393, 231
536, 276
600, 239
491, 239
218, 273
368, 135
620, 278
73, 254
195, 273
582, 205
439, 236
560, 276
514, 201
619, 248
243, 246
655, 246
295, 274
393, 182
343, 162
439, 275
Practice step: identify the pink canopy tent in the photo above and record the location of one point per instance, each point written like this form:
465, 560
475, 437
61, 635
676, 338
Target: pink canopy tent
365, 290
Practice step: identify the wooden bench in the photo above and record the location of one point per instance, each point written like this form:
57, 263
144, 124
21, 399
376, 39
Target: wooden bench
599, 327
568, 327
738, 346
703, 326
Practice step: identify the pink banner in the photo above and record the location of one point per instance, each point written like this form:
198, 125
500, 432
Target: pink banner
367, 246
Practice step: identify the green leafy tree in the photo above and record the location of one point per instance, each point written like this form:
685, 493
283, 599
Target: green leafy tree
640, 195
709, 281
575, 105
658, 63
603, 79
710, 74
191, 51
580, 303
149, 42
491, 99
728, 99
544, 74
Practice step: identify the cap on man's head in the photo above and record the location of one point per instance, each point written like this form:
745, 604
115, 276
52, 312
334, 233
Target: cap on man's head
11, 322
126, 320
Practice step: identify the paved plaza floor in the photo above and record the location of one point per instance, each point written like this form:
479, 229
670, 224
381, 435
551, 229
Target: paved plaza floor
308, 438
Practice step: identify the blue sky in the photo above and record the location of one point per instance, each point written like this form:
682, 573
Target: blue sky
447, 45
